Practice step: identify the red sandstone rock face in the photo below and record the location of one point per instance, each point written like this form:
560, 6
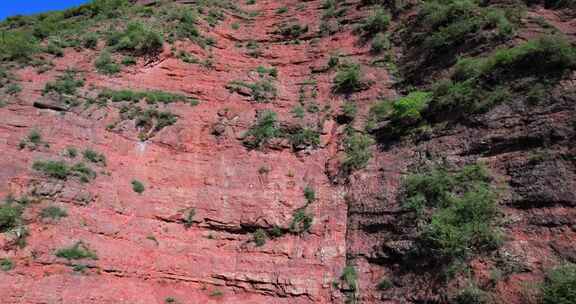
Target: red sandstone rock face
145, 254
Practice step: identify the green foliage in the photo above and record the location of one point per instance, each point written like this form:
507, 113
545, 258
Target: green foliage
292, 31
6, 264
54, 169
90, 41
53, 212
94, 157
65, 84
559, 285
71, 152
303, 137
13, 89
470, 295
216, 293
263, 71
260, 237
106, 65
298, 112
151, 97
380, 43
260, 91
138, 186
357, 148
448, 23
349, 111
350, 277
10, 216
32, 141
463, 211
309, 194
348, 79
544, 55
189, 220
377, 22
17, 46
61, 170
138, 39
384, 284
78, 251
129, 60
263, 131
301, 221
479, 84
408, 109
282, 10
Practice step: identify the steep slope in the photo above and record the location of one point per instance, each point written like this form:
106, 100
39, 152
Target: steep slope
196, 170
289, 151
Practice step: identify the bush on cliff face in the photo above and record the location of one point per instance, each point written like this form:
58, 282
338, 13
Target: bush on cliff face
348, 79
77, 251
266, 128
458, 209
10, 216
560, 285
17, 46
377, 22
357, 148
137, 38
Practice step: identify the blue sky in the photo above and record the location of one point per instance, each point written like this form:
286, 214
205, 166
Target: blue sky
27, 7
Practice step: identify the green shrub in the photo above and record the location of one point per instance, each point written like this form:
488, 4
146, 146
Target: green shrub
282, 10
309, 194
384, 284
53, 212
304, 137
301, 221
129, 60
357, 148
71, 152
10, 216
547, 54
292, 31
350, 277
471, 295
106, 65
260, 91
6, 264
94, 157
463, 209
90, 41
409, 109
13, 89
138, 39
377, 22
17, 46
380, 43
189, 220
263, 71
348, 79
559, 285
54, 169
78, 251
137, 186
263, 131
260, 237
298, 112
216, 293
61, 170
151, 97
66, 83
349, 111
